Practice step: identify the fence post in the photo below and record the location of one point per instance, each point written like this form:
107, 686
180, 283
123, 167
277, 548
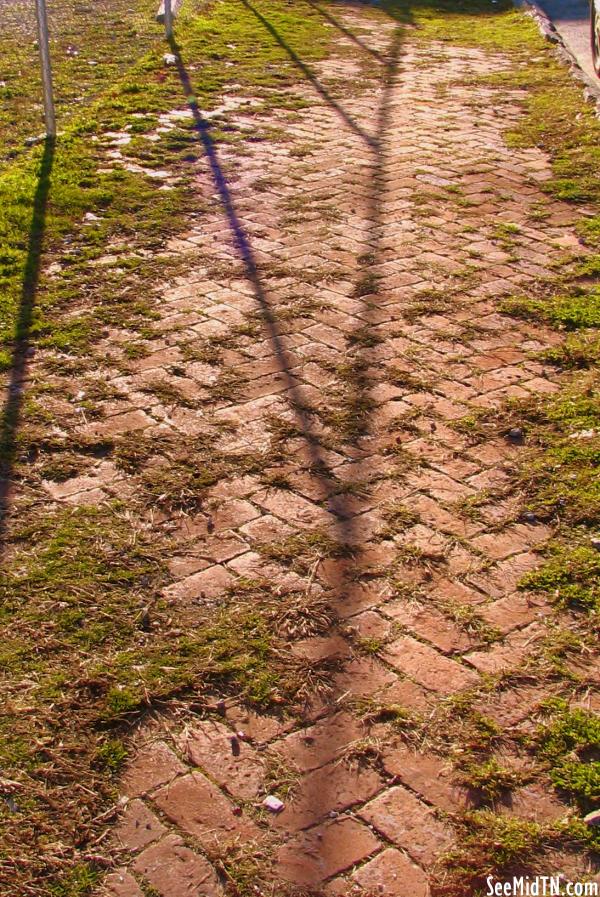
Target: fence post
42, 22
168, 20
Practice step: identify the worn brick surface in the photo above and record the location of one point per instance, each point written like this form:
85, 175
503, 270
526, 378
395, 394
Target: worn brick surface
121, 884
235, 765
514, 611
154, 765
534, 803
138, 826
207, 584
330, 788
200, 809
429, 624
330, 244
314, 856
510, 653
314, 746
392, 874
176, 871
427, 666
426, 774
409, 823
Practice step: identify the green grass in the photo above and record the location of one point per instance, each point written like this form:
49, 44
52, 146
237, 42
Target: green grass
579, 351
78, 882
569, 742
489, 844
570, 577
90, 49
134, 213
489, 778
573, 312
468, 23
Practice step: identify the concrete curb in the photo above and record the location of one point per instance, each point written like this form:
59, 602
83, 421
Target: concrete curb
591, 89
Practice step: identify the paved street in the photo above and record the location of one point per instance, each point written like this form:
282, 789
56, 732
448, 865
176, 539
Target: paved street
572, 21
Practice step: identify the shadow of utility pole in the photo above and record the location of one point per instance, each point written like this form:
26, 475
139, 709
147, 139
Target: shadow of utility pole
22, 349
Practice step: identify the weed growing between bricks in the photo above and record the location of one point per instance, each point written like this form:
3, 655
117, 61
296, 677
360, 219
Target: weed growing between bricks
103, 631
557, 483
91, 644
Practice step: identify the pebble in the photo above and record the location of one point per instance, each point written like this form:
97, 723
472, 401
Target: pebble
515, 435
273, 803
144, 620
583, 434
592, 818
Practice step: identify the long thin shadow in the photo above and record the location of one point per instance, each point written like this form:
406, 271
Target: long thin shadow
340, 503
310, 75
358, 402
359, 408
349, 34
244, 248
13, 406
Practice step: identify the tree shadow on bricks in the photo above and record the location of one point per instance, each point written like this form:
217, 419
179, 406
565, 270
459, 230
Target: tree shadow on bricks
358, 404
310, 821
310, 76
347, 32
22, 348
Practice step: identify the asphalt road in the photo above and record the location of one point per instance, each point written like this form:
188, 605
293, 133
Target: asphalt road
571, 20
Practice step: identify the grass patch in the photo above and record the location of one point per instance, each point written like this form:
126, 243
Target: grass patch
579, 310
490, 779
489, 844
304, 551
578, 351
569, 743
76, 653
570, 577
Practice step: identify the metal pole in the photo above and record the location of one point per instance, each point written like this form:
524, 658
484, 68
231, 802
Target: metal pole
42, 20
168, 20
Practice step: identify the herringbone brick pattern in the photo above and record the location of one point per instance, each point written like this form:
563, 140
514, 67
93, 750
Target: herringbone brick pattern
351, 270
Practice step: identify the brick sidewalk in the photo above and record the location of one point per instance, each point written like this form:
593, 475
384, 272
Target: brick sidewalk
354, 274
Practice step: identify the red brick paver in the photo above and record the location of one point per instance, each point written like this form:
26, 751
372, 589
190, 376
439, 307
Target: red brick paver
357, 303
